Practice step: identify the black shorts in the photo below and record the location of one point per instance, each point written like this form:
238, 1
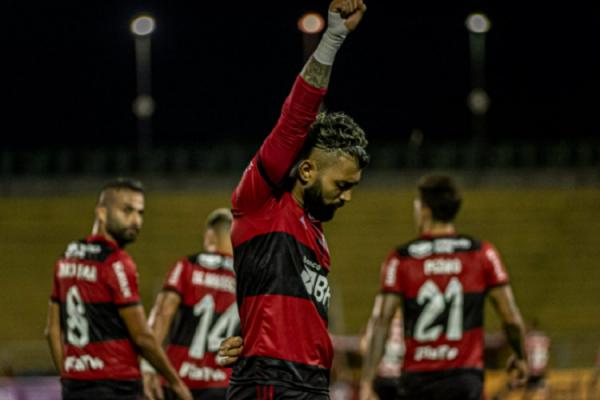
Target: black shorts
271, 392
447, 385
75, 389
386, 388
199, 394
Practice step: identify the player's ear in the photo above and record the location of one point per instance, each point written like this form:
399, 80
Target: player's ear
101, 214
307, 171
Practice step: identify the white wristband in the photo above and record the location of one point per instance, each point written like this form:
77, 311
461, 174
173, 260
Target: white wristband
332, 39
145, 366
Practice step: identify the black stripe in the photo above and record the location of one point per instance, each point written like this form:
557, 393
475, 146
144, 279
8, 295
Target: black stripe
474, 245
274, 371
274, 263
103, 321
263, 172
472, 313
101, 389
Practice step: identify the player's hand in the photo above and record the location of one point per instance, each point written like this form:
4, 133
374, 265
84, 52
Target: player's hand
367, 392
230, 350
152, 388
351, 10
517, 371
182, 391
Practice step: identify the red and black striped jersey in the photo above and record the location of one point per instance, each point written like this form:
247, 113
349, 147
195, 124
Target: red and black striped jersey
281, 261
92, 280
443, 282
207, 314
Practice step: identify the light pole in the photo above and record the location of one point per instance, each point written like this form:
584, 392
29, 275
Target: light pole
143, 105
310, 24
478, 100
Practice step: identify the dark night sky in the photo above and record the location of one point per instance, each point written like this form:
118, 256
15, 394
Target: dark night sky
221, 71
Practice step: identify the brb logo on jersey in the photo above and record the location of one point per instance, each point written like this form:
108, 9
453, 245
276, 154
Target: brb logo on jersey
316, 282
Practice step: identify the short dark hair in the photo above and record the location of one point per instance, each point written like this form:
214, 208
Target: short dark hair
124, 183
219, 220
441, 195
337, 131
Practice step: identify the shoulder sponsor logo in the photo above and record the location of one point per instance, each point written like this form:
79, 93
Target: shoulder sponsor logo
447, 246
80, 271
119, 269
420, 249
214, 261
442, 266
79, 250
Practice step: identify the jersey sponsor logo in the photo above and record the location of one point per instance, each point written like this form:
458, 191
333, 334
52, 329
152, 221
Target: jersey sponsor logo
316, 284
79, 250
81, 271
442, 266
214, 261
214, 281
119, 269
83, 363
195, 373
495, 260
438, 246
174, 278
390, 272
438, 353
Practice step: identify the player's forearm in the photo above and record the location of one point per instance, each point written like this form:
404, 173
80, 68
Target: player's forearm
515, 335
375, 348
316, 74
155, 355
55, 343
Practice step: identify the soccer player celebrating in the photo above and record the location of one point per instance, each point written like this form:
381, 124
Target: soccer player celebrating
304, 171
96, 324
440, 279
197, 309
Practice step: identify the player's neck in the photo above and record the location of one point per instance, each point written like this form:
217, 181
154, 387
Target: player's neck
434, 228
99, 230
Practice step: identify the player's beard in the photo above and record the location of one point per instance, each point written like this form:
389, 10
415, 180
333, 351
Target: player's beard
122, 234
315, 205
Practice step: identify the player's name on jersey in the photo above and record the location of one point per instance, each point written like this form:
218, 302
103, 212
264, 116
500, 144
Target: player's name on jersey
195, 373
77, 270
214, 281
442, 266
431, 353
83, 363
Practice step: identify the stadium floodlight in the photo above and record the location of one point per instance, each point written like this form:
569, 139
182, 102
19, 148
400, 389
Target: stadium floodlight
478, 23
143, 25
311, 23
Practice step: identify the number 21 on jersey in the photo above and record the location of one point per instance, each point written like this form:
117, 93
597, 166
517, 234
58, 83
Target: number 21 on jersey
436, 302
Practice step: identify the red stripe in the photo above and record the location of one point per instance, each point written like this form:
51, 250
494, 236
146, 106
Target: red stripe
271, 392
284, 327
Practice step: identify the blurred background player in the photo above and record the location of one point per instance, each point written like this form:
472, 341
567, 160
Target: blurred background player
195, 311
440, 279
304, 171
96, 324
389, 370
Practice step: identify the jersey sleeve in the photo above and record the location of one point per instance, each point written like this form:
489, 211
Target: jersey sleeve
391, 281
122, 279
178, 278
55, 293
269, 167
494, 271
